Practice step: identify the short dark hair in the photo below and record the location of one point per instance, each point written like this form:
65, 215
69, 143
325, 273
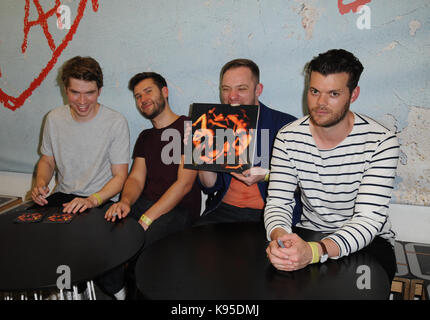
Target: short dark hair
337, 61
157, 78
82, 68
236, 63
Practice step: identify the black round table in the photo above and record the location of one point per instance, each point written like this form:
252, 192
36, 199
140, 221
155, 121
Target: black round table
228, 261
89, 245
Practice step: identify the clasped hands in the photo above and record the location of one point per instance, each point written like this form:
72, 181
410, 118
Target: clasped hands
296, 255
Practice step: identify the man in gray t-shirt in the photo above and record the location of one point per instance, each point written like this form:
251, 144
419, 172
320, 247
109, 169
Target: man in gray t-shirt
85, 142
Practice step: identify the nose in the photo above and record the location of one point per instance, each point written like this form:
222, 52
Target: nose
142, 100
81, 99
233, 96
322, 99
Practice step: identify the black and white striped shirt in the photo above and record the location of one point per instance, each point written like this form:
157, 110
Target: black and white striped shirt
345, 190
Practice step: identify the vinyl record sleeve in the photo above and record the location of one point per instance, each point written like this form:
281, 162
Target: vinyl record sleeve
223, 137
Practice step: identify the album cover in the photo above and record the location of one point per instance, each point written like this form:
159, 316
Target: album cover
29, 217
45, 215
223, 137
59, 217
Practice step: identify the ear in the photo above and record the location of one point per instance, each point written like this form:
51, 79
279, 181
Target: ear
355, 93
259, 89
165, 92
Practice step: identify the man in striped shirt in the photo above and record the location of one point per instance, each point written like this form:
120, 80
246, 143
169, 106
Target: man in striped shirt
344, 164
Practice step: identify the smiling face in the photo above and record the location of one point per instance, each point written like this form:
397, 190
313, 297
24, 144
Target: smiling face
82, 96
150, 100
239, 86
329, 98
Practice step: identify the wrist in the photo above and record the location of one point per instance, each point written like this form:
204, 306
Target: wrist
96, 199
277, 233
125, 201
41, 184
315, 252
322, 251
145, 219
319, 252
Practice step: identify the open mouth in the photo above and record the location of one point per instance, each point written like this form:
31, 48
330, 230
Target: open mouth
82, 109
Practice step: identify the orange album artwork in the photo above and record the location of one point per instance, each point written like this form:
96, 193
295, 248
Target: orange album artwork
223, 137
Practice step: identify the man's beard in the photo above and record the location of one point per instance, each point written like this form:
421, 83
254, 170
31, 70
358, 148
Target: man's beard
338, 117
159, 106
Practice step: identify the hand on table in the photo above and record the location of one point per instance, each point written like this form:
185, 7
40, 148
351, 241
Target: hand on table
118, 210
79, 205
296, 255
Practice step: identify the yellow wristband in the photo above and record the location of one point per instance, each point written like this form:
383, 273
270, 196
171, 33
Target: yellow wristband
266, 178
315, 253
99, 199
145, 220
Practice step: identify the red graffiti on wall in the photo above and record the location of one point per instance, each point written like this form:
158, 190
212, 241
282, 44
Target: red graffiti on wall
14, 103
345, 8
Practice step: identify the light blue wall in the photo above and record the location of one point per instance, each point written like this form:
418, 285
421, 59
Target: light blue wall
188, 41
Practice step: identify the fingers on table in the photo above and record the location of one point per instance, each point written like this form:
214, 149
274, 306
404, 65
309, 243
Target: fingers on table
77, 205
116, 211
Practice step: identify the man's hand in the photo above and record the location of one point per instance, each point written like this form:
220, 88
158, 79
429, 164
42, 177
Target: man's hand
118, 210
251, 176
39, 193
143, 224
44, 173
80, 204
296, 255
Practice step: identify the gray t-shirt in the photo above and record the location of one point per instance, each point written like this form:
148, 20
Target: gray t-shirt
85, 151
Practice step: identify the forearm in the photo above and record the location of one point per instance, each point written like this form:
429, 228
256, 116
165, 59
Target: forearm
280, 200
277, 232
131, 192
111, 188
170, 199
44, 172
331, 246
